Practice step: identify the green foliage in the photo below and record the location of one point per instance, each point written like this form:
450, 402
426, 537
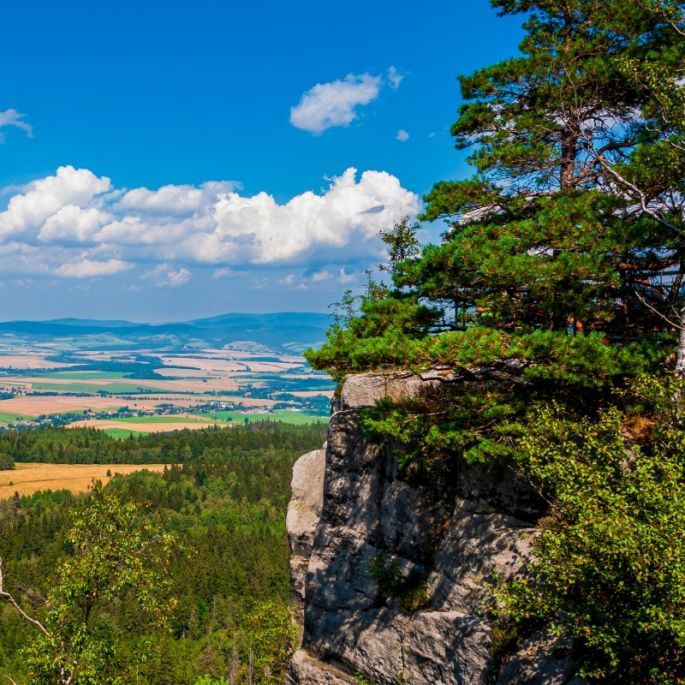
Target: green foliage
208, 680
90, 446
409, 590
274, 638
226, 508
402, 243
569, 138
114, 554
610, 561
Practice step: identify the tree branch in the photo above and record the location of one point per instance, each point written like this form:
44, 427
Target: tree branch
6, 596
606, 166
678, 326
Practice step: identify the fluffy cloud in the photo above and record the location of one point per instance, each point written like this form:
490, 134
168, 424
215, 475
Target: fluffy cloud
175, 199
326, 105
334, 104
10, 117
42, 199
88, 268
348, 215
165, 276
75, 224
72, 223
402, 135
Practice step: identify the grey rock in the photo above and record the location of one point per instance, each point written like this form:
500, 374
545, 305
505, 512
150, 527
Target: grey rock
305, 669
365, 389
358, 509
543, 659
304, 511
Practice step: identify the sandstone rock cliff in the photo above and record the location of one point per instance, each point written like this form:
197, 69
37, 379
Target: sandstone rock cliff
390, 576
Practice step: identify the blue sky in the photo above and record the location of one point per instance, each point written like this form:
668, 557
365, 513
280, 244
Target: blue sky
250, 118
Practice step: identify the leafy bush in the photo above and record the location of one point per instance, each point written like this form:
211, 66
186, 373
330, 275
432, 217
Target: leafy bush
610, 561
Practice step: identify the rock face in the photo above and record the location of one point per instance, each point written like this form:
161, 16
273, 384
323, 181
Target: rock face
304, 512
391, 576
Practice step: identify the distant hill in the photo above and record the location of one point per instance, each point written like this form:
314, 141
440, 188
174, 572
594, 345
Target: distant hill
96, 323
279, 331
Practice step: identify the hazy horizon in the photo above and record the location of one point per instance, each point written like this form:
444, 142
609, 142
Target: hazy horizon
110, 319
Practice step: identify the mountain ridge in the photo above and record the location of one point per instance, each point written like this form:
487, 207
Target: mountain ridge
281, 331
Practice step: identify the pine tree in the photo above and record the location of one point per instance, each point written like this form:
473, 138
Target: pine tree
552, 308
573, 222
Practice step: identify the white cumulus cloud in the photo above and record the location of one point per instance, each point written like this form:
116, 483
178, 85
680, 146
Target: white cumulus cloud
76, 224
402, 135
89, 268
73, 223
175, 199
335, 103
346, 217
165, 276
42, 199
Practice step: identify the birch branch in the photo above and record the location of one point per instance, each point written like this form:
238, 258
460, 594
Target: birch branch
6, 596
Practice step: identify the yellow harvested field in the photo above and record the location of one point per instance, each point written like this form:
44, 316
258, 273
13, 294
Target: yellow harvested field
267, 367
28, 361
162, 427
204, 364
172, 372
35, 405
49, 380
29, 478
212, 385
312, 393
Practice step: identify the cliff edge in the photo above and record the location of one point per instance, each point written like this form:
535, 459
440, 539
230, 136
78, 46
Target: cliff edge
390, 575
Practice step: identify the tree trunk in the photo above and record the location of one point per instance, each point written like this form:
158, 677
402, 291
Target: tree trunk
680, 357
569, 152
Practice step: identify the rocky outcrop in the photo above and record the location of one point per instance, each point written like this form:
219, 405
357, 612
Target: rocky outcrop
304, 512
391, 576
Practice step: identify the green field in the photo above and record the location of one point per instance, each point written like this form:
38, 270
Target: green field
123, 434
87, 389
292, 417
162, 419
88, 375
10, 418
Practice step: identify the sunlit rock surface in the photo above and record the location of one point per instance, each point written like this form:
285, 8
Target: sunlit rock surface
354, 512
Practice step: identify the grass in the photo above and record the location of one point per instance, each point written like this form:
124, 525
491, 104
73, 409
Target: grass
6, 419
87, 389
123, 434
88, 375
161, 419
292, 417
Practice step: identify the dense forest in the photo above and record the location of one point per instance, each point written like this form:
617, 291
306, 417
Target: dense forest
91, 446
225, 585
553, 310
